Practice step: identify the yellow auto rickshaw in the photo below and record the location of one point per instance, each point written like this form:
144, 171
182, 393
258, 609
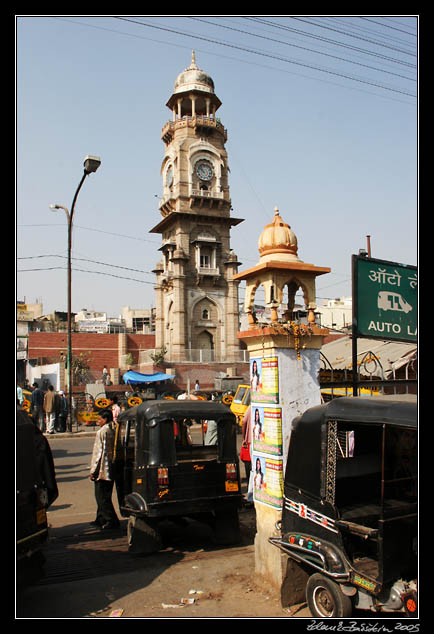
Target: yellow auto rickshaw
240, 402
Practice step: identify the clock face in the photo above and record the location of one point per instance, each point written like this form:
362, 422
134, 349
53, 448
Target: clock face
204, 170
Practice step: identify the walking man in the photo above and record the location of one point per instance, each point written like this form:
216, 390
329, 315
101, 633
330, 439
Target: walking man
50, 409
101, 473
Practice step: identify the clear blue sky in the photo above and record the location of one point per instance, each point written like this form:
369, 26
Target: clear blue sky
321, 114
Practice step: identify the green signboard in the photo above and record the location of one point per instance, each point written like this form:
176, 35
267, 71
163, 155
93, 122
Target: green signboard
384, 300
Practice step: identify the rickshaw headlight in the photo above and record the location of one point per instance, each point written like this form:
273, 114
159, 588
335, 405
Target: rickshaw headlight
394, 600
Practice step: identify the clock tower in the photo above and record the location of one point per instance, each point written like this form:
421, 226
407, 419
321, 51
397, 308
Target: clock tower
196, 293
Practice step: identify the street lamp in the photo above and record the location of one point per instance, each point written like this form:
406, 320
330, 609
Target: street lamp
91, 164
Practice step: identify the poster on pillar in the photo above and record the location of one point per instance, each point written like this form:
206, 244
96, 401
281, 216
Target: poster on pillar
267, 430
267, 448
267, 480
283, 386
264, 379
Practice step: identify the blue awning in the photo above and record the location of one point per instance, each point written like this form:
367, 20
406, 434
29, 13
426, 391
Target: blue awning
136, 377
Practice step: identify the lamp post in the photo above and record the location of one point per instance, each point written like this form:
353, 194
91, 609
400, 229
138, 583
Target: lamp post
91, 164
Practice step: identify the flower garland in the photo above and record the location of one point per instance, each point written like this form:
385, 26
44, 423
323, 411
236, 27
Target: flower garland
297, 331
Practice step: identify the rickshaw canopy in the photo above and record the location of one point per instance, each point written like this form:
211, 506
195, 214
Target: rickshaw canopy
307, 438
159, 410
400, 410
136, 377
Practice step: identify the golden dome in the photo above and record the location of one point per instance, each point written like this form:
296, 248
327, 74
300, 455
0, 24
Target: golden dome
277, 241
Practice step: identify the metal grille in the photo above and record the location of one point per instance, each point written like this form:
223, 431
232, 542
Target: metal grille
332, 435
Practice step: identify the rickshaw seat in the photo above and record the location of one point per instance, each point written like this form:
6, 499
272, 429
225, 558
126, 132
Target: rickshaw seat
362, 514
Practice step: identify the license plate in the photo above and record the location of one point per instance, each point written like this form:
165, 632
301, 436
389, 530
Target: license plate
231, 486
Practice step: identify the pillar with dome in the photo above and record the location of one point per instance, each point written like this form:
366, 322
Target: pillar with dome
284, 370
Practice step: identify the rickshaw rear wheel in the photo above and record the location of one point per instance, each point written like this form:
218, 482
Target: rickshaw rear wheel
325, 599
143, 538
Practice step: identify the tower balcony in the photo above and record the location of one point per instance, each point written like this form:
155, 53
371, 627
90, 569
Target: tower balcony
197, 121
209, 198
208, 271
206, 193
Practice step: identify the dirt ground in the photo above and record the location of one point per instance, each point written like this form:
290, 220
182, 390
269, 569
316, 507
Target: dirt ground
209, 584
191, 578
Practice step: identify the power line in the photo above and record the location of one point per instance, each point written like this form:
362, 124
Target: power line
33, 257
238, 60
303, 48
271, 56
62, 268
130, 279
363, 28
110, 233
388, 26
335, 42
355, 36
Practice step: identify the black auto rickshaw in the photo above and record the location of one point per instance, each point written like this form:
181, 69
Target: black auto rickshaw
179, 459
36, 489
350, 512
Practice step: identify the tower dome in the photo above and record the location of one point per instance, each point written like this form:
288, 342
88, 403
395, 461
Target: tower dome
193, 78
278, 241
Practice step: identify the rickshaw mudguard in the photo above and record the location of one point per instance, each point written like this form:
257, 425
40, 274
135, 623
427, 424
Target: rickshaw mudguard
320, 555
134, 503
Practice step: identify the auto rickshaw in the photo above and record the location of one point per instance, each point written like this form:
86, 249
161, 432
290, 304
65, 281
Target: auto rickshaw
36, 489
350, 511
172, 469
241, 402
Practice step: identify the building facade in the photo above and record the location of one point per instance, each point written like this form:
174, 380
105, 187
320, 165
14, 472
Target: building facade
197, 315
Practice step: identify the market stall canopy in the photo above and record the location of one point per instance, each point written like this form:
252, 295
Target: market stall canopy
392, 355
136, 377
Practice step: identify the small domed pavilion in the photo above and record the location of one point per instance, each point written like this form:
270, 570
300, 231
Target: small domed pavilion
279, 267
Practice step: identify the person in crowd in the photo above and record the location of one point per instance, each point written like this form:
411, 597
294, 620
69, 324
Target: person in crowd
62, 412
37, 407
105, 375
101, 473
211, 432
115, 409
118, 462
50, 409
246, 432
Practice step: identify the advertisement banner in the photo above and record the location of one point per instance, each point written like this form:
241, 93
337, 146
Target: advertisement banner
267, 480
264, 379
267, 450
267, 430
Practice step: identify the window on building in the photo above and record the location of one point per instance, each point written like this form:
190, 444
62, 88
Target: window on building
205, 257
205, 261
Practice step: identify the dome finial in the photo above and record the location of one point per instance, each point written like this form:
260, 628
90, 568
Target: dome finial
278, 241
193, 65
